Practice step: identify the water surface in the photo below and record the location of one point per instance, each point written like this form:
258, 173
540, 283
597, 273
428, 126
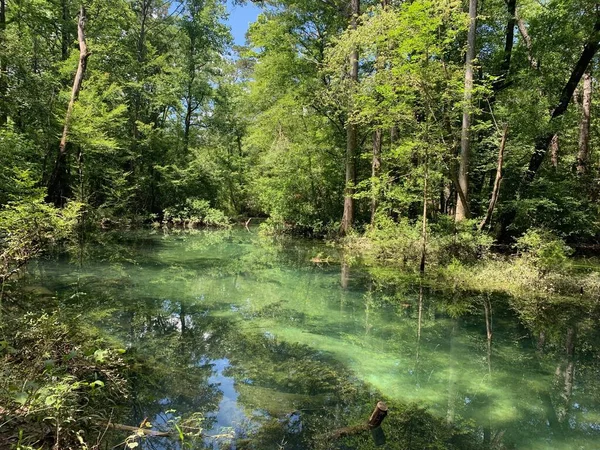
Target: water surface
263, 343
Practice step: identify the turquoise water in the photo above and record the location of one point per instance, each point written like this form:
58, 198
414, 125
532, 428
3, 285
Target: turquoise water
270, 349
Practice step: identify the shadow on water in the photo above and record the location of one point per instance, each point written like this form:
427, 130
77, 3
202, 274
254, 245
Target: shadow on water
274, 350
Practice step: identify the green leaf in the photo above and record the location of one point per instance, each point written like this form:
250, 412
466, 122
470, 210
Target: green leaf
20, 398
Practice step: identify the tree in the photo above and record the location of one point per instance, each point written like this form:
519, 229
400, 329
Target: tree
584, 128
59, 189
351, 132
462, 201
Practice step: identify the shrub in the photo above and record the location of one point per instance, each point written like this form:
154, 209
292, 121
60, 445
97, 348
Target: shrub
544, 249
399, 241
195, 212
458, 240
56, 382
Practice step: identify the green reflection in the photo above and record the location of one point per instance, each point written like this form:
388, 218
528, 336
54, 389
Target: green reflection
258, 338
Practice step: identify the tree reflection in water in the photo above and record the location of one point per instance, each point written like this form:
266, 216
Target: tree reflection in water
257, 339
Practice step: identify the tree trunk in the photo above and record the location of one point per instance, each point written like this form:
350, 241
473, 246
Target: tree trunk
59, 184
375, 166
584, 127
554, 149
424, 221
501, 83
496, 191
527, 39
189, 111
462, 208
542, 142
64, 34
3, 66
351, 134
393, 134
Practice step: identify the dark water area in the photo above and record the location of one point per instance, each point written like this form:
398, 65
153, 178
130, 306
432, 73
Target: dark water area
269, 349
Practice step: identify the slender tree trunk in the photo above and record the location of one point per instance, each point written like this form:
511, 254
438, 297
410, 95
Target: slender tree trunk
59, 183
584, 127
64, 34
141, 43
462, 206
351, 134
424, 221
375, 167
528, 44
496, 190
501, 83
3, 66
393, 134
554, 151
189, 111
190, 108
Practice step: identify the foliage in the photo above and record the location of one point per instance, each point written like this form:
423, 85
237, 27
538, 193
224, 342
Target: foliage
195, 212
57, 382
543, 249
29, 227
400, 242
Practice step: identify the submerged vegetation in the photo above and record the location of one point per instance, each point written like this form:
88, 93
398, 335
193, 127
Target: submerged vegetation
446, 149
222, 338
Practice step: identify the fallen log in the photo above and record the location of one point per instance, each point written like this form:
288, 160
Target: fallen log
378, 415
374, 422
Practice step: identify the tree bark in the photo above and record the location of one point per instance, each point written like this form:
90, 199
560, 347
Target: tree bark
496, 191
59, 184
424, 221
3, 66
528, 44
378, 414
554, 149
500, 83
64, 34
351, 134
462, 209
584, 127
375, 167
542, 142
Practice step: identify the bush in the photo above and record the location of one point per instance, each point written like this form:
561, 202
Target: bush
401, 241
544, 249
397, 241
195, 212
57, 381
31, 226
458, 240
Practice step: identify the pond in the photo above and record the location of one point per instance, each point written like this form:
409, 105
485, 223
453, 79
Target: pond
275, 344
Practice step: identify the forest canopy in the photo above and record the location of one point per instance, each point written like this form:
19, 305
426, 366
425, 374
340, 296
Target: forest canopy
335, 117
